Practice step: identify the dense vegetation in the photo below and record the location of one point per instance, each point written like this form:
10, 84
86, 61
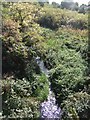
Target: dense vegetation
60, 38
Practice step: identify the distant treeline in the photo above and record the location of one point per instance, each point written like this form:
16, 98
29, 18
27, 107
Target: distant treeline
74, 6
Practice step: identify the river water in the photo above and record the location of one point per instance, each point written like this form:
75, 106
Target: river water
48, 109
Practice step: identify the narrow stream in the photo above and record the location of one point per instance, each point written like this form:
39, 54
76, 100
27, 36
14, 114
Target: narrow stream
49, 109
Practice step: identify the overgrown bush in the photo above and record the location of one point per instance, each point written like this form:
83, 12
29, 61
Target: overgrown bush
76, 107
67, 75
78, 23
13, 59
48, 21
58, 43
22, 98
54, 18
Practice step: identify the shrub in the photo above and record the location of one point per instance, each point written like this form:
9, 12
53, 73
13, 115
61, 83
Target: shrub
22, 98
66, 76
76, 107
78, 23
54, 18
40, 87
14, 56
48, 21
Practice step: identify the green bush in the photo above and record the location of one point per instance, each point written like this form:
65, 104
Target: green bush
78, 23
22, 98
14, 56
59, 44
40, 87
66, 77
54, 18
48, 21
76, 107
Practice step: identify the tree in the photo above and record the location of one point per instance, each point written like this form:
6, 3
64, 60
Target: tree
56, 5
67, 0
68, 4
82, 8
75, 6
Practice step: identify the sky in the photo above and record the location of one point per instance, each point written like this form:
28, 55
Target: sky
79, 1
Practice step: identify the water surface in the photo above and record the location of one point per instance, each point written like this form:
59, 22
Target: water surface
49, 108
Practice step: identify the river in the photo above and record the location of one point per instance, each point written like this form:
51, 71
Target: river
48, 109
